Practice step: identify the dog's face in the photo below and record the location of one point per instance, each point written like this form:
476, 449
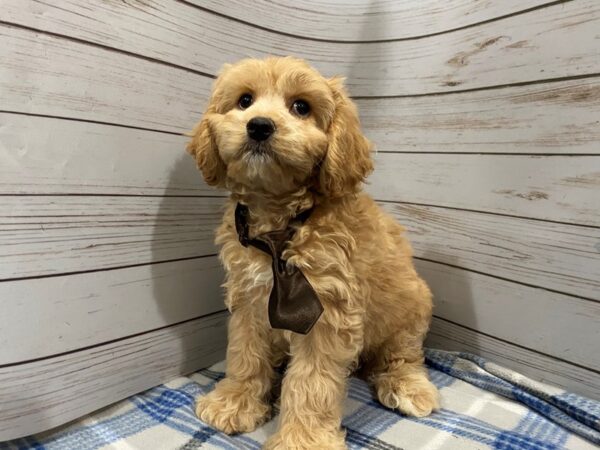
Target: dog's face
276, 125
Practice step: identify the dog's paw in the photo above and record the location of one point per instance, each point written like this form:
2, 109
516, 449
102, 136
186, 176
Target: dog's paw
304, 439
413, 395
231, 410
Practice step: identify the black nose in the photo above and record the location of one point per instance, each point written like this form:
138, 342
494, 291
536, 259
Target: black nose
260, 128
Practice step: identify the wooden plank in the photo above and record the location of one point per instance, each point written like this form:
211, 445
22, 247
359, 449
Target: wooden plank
516, 49
41, 155
545, 254
67, 387
66, 313
447, 336
360, 20
47, 75
54, 235
54, 158
554, 324
515, 247
447, 236
516, 119
506, 197
559, 188
560, 117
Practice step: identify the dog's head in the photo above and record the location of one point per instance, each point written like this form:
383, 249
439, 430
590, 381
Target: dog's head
276, 125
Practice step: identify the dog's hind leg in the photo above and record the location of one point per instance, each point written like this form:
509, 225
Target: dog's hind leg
404, 386
398, 373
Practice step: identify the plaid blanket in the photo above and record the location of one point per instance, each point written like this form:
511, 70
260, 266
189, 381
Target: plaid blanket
483, 406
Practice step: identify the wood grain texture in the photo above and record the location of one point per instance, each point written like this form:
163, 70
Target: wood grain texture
502, 246
40, 155
52, 235
358, 20
448, 336
549, 255
554, 324
559, 188
558, 117
522, 48
518, 119
66, 313
48, 75
69, 386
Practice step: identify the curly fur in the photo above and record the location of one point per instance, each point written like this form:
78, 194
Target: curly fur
376, 308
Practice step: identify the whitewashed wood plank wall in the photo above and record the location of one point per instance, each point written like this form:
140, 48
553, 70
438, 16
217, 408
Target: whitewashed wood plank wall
485, 114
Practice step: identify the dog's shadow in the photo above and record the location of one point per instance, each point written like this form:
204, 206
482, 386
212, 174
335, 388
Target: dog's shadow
182, 239
453, 301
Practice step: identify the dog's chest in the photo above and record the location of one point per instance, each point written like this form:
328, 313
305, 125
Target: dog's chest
255, 269
250, 267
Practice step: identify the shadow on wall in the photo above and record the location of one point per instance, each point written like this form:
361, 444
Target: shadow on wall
452, 300
187, 285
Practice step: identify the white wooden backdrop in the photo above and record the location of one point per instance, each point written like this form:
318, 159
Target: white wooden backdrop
486, 116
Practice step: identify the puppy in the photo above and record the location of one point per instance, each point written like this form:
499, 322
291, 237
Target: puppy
287, 142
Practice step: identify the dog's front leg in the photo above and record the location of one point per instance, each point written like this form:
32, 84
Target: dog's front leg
238, 404
314, 386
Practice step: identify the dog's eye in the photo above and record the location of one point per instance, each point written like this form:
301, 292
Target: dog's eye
301, 108
245, 101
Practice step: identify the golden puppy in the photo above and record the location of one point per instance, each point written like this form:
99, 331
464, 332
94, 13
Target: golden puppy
283, 139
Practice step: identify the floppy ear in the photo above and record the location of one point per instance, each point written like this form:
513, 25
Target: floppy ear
347, 161
204, 148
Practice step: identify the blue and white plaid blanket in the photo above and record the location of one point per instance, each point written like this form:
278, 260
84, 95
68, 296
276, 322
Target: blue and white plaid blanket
483, 406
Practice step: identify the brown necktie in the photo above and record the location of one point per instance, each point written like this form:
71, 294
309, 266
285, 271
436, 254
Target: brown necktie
293, 303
